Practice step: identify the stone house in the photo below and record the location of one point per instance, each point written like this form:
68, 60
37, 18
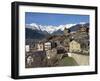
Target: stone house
27, 48
81, 45
56, 53
66, 31
74, 46
35, 59
47, 46
40, 46
43, 46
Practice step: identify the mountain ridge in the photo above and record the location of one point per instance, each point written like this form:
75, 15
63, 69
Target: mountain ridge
37, 31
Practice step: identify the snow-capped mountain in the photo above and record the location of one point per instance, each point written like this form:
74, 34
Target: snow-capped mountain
33, 26
34, 31
49, 28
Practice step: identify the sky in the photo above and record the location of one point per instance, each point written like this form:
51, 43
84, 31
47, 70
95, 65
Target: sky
54, 19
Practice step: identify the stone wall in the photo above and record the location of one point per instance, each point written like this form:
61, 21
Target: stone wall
81, 59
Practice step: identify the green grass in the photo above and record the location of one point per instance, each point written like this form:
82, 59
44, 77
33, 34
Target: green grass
67, 61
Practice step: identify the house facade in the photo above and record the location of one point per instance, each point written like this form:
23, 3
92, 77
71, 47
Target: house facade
74, 46
47, 45
44, 46
27, 48
51, 53
40, 46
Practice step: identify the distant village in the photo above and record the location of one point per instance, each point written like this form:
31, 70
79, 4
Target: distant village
49, 51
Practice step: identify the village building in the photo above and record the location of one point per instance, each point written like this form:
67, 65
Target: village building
43, 46
30, 60
66, 44
66, 39
40, 46
56, 53
53, 44
74, 46
79, 46
47, 46
27, 48
66, 31
51, 53
83, 29
36, 59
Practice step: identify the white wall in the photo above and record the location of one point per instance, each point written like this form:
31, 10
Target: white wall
5, 40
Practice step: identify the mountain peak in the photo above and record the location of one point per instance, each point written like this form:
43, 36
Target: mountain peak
50, 28
33, 26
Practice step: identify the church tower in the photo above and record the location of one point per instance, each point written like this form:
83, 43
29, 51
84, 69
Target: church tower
66, 31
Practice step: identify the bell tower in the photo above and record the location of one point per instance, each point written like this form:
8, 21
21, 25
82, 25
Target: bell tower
66, 31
